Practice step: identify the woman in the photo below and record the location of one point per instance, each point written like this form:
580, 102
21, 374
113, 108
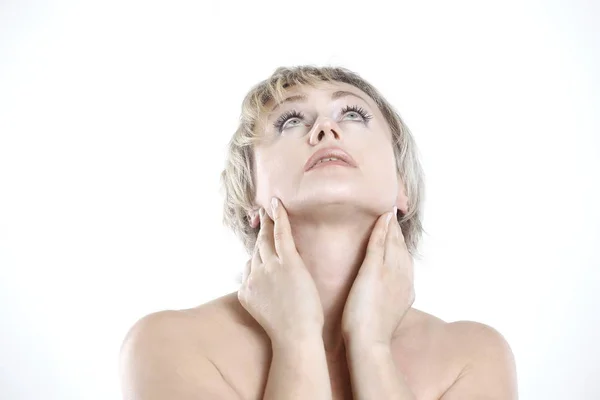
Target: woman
324, 187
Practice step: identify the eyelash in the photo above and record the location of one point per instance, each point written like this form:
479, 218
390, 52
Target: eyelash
295, 114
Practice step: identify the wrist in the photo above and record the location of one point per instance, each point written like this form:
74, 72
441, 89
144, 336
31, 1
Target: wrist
297, 341
365, 336
366, 344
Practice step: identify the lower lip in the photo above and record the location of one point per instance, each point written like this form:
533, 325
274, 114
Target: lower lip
330, 163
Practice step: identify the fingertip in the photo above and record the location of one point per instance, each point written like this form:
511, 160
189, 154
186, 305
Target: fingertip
386, 225
274, 205
387, 219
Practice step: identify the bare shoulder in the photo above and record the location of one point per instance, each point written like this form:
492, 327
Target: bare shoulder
462, 359
467, 337
165, 355
469, 333
476, 337
479, 361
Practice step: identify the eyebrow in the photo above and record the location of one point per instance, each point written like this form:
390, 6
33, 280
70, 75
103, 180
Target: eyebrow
301, 97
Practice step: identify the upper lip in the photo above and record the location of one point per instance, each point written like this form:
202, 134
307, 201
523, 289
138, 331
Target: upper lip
327, 153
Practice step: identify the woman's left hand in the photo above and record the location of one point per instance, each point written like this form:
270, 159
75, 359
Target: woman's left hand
383, 290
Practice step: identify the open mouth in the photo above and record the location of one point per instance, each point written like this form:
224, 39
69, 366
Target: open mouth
329, 162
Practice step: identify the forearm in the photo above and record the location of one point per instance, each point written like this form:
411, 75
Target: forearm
373, 373
298, 371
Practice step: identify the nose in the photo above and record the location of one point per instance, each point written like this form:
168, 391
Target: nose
323, 128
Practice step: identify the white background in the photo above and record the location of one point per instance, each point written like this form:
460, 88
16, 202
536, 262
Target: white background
114, 119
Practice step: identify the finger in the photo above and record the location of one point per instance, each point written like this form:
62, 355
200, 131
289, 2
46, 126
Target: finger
251, 264
265, 236
391, 239
256, 259
282, 231
377, 241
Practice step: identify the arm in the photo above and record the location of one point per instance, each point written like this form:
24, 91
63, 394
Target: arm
154, 365
374, 374
380, 296
298, 371
280, 294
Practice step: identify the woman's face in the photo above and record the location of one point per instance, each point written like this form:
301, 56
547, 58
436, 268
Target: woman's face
310, 119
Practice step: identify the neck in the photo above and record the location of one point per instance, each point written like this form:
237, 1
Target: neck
333, 247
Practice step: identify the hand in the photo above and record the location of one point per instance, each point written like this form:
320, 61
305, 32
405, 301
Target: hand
277, 289
383, 289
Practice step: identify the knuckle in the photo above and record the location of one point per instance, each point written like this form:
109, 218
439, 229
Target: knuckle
268, 268
263, 232
272, 262
279, 235
275, 214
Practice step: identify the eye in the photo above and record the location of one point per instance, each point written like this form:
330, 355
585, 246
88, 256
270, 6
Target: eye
287, 119
356, 113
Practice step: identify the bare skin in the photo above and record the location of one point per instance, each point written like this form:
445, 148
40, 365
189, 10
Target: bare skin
430, 353
325, 308
220, 351
423, 350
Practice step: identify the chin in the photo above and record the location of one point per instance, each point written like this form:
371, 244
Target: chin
328, 204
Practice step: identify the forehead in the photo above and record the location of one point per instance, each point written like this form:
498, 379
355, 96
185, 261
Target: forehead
322, 88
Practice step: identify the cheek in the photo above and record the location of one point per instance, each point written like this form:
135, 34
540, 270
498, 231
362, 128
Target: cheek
382, 171
381, 157
276, 175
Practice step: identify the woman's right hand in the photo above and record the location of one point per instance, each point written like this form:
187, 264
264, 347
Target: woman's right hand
277, 289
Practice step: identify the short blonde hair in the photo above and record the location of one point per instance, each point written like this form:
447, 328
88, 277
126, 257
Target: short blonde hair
238, 177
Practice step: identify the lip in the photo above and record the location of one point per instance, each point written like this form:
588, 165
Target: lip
329, 152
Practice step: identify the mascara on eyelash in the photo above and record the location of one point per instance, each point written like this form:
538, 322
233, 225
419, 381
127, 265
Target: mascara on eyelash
295, 114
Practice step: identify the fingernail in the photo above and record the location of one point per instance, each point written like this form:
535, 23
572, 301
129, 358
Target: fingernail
395, 210
274, 203
387, 219
261, 212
